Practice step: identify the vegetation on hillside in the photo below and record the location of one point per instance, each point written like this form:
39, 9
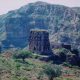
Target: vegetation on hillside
63, 24
33, 68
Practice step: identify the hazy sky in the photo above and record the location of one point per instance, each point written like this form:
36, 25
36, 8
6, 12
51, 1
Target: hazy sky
7, 5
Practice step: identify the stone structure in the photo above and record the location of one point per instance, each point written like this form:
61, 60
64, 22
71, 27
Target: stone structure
39, 42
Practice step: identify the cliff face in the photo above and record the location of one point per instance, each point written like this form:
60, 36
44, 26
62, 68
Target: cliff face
16, 35
63, 24
39, 42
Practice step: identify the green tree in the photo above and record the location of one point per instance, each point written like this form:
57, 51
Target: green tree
22, 54
52, 71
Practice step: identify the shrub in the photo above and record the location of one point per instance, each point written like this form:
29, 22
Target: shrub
52, 71
23, 78
22, 54
68, 79
40, 75
19, 78
67, 64
18, 66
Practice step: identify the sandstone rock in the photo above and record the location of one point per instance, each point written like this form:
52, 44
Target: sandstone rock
62, 22
39, 42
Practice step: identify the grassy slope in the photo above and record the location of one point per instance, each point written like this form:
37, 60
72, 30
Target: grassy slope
11, 69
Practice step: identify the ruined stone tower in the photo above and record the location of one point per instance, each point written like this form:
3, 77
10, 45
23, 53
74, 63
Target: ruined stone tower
39, 42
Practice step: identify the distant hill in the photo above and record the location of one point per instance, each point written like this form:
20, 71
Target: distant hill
76, 9
63, 24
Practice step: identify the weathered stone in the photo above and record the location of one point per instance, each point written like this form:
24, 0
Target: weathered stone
66, 46
39, 42
72, 59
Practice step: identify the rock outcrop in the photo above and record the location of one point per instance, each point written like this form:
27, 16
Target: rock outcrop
39, 42
62, 22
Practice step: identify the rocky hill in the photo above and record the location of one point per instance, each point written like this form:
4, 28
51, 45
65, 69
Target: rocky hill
76, 9
63, 24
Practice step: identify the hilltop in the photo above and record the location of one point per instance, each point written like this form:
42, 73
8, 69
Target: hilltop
63, 24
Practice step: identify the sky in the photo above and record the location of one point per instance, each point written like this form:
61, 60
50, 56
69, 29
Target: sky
8, 5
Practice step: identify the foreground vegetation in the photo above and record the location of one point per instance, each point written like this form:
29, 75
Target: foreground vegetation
18, 67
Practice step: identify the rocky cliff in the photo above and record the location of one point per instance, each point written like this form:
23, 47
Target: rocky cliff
39, 42
63, 24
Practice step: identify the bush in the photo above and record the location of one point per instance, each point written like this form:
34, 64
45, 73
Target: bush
23, 78
18, 66
68, 79
22, 54
40, 75
67, 64
52, 71
19, 78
